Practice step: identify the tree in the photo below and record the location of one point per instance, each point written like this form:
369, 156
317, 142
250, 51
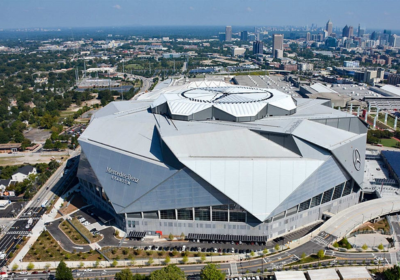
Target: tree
252, 254
97, 263
30, 266
124, 274
321, 254
167, 260
336, 245
48, 145
202, 258
14, 267
380, 247
48, 121
265, 251
131, 261
81, 264
182, 235
47, 266
170, 272
150, 261
364, 247
211, 272
170, 237
114, 263
276, 247
63, 272
185, 259
303, 256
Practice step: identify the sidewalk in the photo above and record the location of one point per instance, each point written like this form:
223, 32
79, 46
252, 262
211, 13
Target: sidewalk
137, 262
36, 231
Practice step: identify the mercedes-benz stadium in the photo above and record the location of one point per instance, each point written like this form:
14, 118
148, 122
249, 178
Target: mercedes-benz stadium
215, 158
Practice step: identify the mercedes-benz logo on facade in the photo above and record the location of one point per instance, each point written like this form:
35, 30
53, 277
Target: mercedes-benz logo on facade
356, 159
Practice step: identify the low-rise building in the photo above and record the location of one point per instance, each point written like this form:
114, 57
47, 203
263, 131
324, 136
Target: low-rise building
23, 173
238, 51
354, 273
351, 64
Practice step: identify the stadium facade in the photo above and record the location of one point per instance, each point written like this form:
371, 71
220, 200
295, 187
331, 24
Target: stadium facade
211, 157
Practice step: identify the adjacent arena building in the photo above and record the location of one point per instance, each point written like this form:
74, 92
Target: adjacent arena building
214, 158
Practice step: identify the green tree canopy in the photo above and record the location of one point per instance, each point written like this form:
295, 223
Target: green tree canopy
170, 272
321, 254
125, 274
63, 272
211, 272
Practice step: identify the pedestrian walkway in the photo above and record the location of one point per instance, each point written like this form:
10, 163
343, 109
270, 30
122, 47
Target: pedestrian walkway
234, 269
141, 262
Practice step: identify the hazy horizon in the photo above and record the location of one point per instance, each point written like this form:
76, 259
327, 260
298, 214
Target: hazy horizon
179, 13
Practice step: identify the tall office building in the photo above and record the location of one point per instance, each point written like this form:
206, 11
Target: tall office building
351, 31
308, 38
277, 42
258, 47
360, 32
221, 36
228, 33
345, 32
329, 26
243, 36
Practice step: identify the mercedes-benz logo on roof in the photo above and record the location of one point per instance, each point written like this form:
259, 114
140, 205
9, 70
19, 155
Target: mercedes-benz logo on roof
356, 159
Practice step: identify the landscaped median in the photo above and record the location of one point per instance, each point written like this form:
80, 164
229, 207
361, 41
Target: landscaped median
46, 249
77, 237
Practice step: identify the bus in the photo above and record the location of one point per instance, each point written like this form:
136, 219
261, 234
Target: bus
44, 203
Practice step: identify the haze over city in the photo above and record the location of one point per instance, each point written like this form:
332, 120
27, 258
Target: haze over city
95, 13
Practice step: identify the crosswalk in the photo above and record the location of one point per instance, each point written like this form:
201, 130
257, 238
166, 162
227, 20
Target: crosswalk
234, 269
22, 232
393, 258
320, 241
330, 253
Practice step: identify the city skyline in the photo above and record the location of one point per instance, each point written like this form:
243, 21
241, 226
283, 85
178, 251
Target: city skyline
46, 14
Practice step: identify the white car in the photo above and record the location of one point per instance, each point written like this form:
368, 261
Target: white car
24, 272
88, 270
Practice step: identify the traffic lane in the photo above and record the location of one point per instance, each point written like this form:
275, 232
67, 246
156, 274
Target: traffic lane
63, 240
108, 238
7, 240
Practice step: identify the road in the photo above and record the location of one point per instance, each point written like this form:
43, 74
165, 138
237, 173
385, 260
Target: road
33, 211
270, 263
147, 82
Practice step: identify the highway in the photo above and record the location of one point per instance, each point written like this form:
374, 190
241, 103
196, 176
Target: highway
147, 82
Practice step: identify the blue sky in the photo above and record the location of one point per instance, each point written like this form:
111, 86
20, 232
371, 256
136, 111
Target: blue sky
93, 13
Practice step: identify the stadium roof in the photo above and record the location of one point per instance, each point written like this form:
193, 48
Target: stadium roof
238, 102
243, 160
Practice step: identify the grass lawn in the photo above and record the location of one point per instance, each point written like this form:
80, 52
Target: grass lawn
133, 67
389, 142
47, 249
85, 231
19, 248
69, 231
390, 120
309, 259
262, 72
